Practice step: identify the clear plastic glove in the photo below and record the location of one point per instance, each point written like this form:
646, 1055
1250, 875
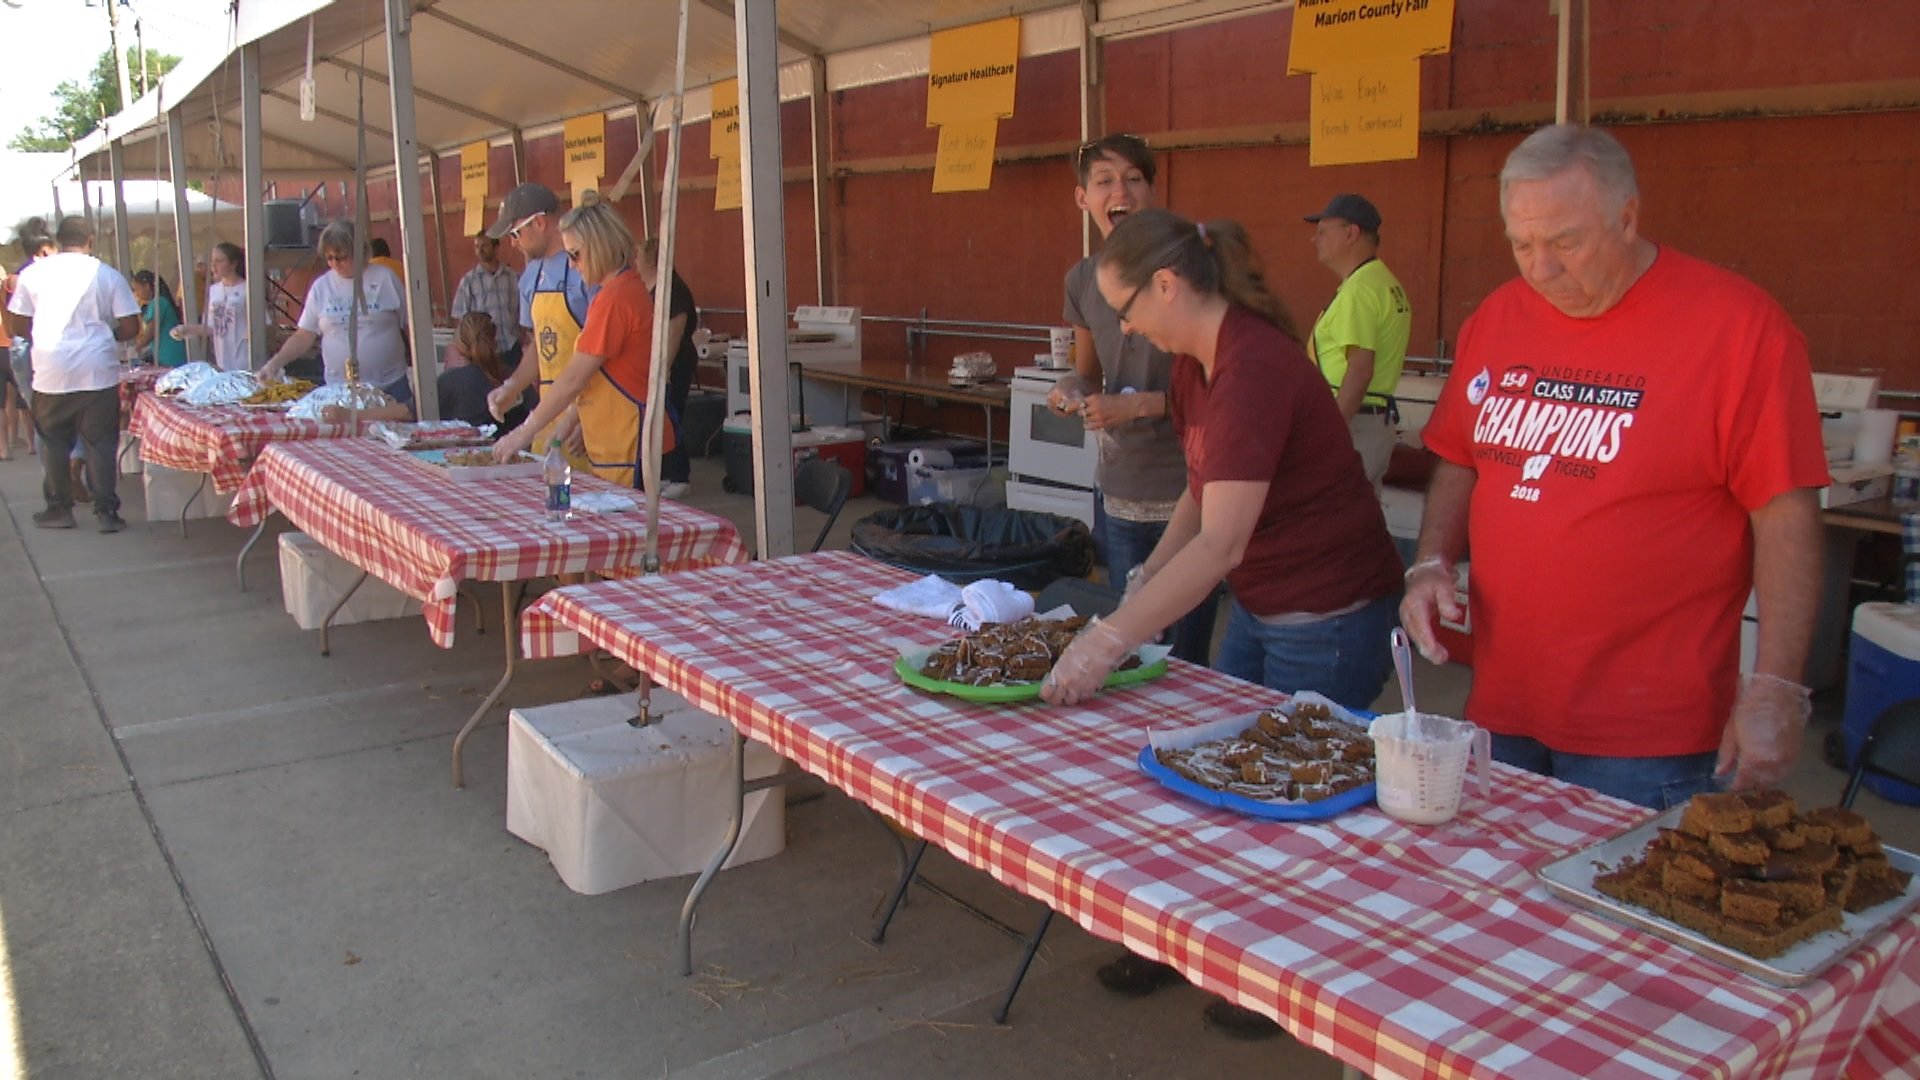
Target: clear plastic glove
1763, 737
178, 333
1093, 656
1431, 596
499, 400
1136, 580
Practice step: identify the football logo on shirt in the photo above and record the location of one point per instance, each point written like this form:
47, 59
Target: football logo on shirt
1477, 389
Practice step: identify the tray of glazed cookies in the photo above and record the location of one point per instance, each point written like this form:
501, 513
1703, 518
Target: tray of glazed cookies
1749, 880
1003, 662
1304, 760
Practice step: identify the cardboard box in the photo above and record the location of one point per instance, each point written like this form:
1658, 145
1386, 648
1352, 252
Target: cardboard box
313, 578
168, 490
614, 805
1856, 483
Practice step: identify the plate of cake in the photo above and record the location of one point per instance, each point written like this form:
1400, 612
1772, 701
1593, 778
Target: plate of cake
1003, 662
1306, 759
1749, 880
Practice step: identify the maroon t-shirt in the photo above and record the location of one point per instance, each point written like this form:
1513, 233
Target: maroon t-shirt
1321, 542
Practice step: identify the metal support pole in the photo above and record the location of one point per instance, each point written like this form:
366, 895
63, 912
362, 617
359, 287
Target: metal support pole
822, 176
183, 229
122, 243
757, 38
253, 209
406, 183
57, 212
519, 157
1089, 105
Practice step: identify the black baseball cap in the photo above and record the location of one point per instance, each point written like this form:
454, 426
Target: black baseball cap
522, 203
1354, 209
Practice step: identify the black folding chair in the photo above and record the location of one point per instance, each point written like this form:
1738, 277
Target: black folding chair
823, 485
1891, 749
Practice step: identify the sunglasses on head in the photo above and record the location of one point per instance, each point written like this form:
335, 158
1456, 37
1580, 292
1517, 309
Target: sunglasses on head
1106, 142
574, 255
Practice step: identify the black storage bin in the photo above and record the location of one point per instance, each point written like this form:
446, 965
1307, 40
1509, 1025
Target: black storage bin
967, 543
700, 424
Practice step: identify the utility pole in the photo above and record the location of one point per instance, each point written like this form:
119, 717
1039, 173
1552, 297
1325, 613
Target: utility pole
119, 55
140, 42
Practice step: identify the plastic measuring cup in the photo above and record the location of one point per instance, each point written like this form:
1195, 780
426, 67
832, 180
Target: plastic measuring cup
1420, 764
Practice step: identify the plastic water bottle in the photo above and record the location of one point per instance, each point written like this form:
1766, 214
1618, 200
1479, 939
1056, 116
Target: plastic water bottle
559, 476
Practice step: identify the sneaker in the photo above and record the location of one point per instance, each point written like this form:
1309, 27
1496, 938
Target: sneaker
54, 519
1229, 1019
111, 522
675, 489
1135, 976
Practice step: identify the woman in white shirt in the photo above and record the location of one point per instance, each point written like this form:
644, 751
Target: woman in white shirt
382, 322
226, 324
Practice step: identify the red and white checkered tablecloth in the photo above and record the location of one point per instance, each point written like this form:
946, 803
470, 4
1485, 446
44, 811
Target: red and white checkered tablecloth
221, 440
412, 527
1405, 951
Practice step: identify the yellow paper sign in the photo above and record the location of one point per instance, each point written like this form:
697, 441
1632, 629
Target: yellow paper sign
970, 72
723, 131
585, 139
726, 188
476, 220
1341, 33
473, 186
965, 160
1365, 115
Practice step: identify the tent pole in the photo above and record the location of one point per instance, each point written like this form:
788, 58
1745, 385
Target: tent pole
122, 243
652, 438
822, 175
757, 45
189, 291
252, 184
406, 182
440, 227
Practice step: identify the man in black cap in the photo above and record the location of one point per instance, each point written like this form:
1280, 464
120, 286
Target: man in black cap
1360, 340
553, 298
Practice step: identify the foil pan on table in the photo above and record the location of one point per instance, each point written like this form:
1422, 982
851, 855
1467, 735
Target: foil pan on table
184, 378
428, 434
354, 397
224, 388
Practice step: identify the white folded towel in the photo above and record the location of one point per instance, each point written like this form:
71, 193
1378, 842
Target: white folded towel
603, 502
933, 596
990, 601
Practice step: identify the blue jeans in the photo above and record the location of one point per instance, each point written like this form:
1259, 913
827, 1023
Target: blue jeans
1658, 783
1347, 657
1127, 544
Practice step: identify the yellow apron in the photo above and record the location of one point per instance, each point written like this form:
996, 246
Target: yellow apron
555, 331
611, 422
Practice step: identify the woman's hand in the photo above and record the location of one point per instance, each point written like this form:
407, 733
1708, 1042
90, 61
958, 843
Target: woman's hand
499, 400
510, 445
1095, 653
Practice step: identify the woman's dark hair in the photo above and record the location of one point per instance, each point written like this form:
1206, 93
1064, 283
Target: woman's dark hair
158, 285
234, 256
1214, 257
475, 339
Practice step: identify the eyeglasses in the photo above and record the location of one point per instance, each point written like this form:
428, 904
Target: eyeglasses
333, 257
1108, 142
514, 233
1122, 310
574, 255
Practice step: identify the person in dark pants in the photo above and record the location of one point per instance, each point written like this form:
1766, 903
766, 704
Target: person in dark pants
676, 466
78, 310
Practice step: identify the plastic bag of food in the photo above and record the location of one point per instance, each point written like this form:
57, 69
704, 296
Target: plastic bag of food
184, 378
223, 388
350, 396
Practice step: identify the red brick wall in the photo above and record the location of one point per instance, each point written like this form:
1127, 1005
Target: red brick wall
1821, 210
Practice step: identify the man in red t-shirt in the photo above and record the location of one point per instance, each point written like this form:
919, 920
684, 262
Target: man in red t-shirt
1629, 445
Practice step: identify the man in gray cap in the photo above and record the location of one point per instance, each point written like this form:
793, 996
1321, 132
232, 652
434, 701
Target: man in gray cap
553, 298
1360, 340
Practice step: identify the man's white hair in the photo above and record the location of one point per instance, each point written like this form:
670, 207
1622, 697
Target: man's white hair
1558, 147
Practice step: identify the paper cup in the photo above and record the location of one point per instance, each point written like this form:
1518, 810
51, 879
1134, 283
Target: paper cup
1060, 340
1873, 443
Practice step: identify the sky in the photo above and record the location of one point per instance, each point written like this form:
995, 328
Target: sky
74, 33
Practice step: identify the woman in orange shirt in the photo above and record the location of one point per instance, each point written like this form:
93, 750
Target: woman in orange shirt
604, 387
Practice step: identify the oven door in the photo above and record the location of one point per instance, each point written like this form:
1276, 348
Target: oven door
1046, 446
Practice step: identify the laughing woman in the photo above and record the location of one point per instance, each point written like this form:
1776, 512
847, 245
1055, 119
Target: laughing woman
605, 384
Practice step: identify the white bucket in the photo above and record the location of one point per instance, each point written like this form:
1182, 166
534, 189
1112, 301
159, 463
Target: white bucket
1421, 764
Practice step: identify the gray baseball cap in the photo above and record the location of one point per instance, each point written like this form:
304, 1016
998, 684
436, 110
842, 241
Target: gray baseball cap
522, 203
1354, 209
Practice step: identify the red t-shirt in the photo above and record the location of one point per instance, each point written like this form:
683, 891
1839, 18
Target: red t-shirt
1618, 458
1321, 543
619, 328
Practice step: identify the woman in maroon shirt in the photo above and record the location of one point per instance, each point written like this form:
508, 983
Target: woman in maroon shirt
1277, 502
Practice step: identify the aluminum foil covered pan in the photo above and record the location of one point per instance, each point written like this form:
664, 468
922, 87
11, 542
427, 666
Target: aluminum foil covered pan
223, 388
184, 378
351, 396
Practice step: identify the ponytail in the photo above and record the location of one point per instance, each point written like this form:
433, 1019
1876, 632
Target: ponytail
1213, 257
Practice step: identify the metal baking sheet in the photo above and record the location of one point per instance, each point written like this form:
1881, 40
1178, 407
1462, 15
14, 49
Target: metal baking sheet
1571, 879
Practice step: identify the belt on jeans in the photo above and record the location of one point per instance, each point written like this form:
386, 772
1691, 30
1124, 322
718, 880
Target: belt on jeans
1391, 410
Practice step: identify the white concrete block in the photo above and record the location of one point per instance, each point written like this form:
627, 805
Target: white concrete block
169, 489
312, 579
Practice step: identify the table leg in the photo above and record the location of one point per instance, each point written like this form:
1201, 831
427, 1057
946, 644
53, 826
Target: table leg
1026, 961
727, 844
326, 624
479, 613
899, 893
1348, 1072
188, 505
240, 561
510, 592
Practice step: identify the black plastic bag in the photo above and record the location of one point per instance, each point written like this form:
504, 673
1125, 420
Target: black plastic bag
1025, 548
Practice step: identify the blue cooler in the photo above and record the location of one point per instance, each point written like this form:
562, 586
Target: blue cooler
1884, 669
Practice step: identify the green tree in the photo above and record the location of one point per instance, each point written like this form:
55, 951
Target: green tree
83, 103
